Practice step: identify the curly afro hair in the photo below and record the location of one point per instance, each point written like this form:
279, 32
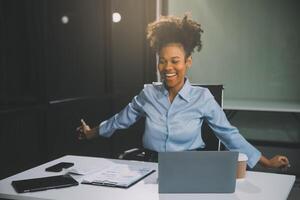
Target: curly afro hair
171, 29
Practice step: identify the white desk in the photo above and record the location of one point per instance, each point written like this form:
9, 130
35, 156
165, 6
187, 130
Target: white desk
257, 185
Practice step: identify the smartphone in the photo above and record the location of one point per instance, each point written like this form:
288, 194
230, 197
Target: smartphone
59, 166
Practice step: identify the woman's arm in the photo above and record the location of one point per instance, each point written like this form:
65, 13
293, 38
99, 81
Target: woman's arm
233, 140
125, 118
277, 161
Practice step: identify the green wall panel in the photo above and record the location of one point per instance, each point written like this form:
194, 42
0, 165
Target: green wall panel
252, 47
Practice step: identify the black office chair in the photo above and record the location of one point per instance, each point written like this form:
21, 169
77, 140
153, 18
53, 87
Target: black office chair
211, 141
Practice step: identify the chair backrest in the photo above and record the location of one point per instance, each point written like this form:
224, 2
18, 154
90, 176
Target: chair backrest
209, 138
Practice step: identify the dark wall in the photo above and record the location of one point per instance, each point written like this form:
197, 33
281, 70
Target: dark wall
133, 64
21, 36
53, 74
22, 114
75, 53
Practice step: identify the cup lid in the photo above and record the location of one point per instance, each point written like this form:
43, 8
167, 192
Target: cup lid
242, 157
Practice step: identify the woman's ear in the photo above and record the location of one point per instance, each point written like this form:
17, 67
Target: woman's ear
189, 62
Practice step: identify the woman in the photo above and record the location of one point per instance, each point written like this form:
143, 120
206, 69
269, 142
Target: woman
174, 109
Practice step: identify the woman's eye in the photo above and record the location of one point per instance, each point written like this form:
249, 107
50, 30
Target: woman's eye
161, 62
175, 61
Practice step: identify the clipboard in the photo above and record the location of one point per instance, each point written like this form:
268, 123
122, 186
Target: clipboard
119, 175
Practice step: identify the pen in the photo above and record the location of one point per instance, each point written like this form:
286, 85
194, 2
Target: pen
285, 168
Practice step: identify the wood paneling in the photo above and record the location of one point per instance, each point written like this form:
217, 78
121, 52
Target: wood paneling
21, 53
62, 120
21, 140
133, 63
75, 53
52, 74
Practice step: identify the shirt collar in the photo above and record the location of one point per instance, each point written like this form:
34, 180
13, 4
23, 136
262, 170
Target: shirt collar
183, 93
185, 90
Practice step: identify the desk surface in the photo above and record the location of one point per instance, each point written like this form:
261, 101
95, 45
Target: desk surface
256, 185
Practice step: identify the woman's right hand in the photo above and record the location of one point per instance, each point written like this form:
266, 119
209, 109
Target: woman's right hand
85, 132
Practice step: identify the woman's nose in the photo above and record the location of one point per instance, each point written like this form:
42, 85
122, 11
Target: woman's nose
167, 65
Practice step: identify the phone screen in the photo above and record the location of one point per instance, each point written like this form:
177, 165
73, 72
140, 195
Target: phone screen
59, 166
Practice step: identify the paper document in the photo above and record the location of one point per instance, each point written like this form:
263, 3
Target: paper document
84, 170
118, 175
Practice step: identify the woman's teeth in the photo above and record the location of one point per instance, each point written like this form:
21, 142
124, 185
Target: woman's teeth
170, 74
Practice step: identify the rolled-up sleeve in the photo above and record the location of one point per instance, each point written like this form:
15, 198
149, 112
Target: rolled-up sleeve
228, 134
125, 118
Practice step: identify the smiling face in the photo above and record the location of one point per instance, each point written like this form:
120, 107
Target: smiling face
173, 66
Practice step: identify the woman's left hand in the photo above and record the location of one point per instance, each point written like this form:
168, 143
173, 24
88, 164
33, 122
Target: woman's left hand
279, 161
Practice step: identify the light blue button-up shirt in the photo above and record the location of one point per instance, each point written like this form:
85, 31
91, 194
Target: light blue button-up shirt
176, 126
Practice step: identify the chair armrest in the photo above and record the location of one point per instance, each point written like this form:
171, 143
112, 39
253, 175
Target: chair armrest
132, 154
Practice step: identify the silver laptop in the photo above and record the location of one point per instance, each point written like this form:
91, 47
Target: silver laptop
197, 172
